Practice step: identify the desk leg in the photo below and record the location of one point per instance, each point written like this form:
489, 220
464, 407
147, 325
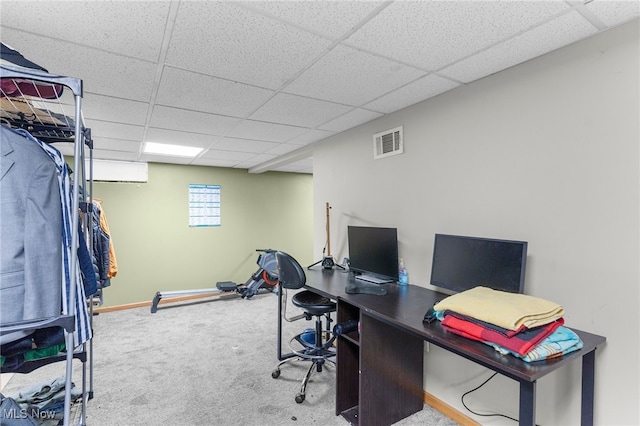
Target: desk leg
527, 403
588, 385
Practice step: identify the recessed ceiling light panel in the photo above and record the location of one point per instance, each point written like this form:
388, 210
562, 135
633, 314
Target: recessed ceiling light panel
169, 149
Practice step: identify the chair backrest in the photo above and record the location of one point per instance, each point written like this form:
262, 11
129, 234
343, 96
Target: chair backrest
290, 273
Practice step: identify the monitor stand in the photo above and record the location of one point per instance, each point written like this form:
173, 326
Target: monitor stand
372, 279
363, 287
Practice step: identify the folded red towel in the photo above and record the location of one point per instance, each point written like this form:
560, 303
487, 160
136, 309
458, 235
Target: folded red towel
521, 342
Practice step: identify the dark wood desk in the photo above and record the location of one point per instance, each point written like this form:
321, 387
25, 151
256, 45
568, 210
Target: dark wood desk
380, 370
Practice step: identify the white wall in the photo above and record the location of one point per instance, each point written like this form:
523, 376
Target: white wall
546, 152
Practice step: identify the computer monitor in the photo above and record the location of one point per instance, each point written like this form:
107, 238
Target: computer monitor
373, 253
461, 263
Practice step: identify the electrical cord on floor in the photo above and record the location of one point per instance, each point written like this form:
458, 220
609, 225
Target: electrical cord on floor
479, 414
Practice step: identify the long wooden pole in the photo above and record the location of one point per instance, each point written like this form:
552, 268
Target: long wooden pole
328, 233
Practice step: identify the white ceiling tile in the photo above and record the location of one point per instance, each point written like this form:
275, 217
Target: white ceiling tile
412, 93
243, 145
118, 110
613, 13
250, 129
255, 160
331, 19
298, 111
543, 39
212, 162
199, 92
191, 121
349, 76
133, 79
232, 156
432, 34
282, 148
109, 144
101, 154
108, 129
179, 138
302, 166
228, 41
351, 119
104, 25
310, 137
129, 79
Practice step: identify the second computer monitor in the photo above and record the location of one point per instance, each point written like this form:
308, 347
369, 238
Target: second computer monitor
461, 263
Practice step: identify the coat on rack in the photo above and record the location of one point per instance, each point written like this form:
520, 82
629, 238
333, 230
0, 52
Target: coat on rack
31, 250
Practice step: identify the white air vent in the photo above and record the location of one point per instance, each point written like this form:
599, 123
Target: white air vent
387, 143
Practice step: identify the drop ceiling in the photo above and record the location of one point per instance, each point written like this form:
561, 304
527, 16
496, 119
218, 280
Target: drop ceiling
256, 84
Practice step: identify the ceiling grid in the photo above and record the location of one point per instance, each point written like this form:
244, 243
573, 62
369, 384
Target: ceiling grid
256, 83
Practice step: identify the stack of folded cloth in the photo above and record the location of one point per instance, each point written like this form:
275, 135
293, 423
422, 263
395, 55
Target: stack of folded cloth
525, 326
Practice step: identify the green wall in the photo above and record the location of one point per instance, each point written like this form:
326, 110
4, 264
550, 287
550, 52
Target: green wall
156, 250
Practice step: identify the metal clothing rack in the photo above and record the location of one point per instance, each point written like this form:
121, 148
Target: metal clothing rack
34, 100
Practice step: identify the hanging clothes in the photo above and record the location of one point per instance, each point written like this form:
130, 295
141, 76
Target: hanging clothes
71, 283
87, 265
30, 230
112, 271
100, 246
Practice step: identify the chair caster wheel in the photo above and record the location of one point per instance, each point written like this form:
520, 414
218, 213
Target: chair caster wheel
275, 373
300, 398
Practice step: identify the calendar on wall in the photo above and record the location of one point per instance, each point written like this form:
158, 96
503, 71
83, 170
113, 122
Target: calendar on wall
204, 205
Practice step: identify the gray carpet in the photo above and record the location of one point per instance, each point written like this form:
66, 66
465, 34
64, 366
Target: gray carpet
202, 363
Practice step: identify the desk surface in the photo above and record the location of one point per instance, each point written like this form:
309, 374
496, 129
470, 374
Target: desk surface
405, 306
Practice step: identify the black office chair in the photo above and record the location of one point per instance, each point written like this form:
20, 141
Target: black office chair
318, 349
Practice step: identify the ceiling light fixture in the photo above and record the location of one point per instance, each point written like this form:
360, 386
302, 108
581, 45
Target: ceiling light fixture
168, 149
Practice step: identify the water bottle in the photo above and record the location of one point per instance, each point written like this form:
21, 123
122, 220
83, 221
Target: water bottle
403, 276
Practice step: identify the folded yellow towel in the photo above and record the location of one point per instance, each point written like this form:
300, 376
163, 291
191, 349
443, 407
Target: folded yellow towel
504, 309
